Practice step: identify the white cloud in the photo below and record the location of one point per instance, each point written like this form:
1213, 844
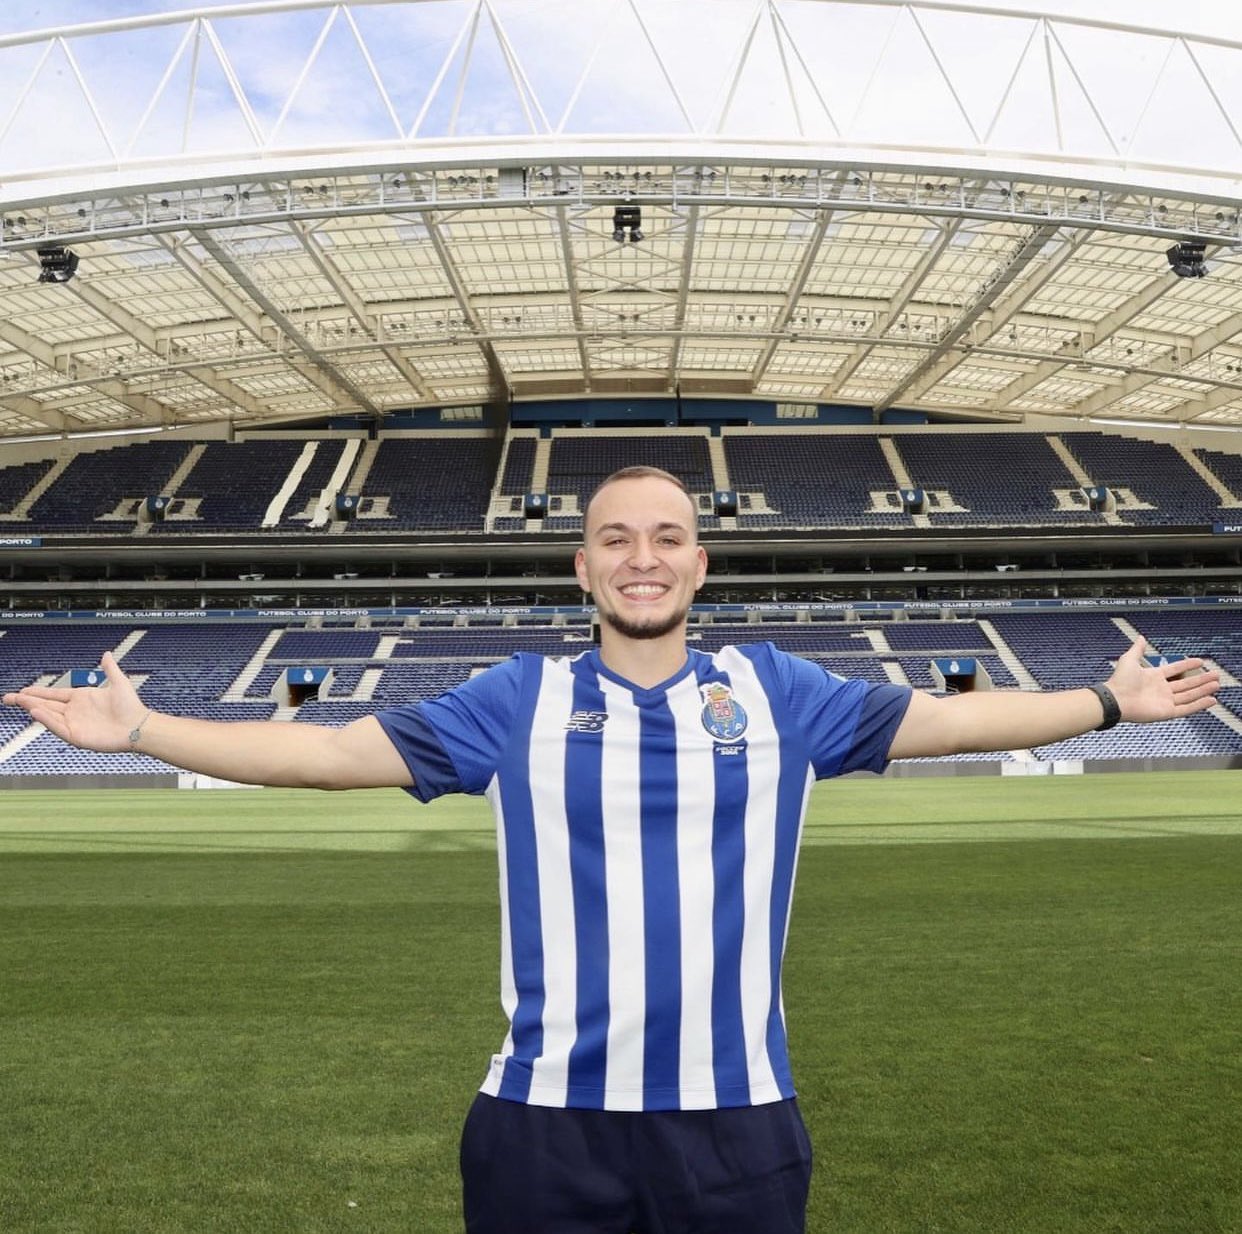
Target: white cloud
825, 69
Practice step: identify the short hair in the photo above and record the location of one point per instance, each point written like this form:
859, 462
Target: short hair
640, 471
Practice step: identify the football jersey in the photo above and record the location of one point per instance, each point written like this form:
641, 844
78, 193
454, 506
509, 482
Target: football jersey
647, 844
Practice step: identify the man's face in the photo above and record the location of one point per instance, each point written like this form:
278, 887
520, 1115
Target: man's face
641, 559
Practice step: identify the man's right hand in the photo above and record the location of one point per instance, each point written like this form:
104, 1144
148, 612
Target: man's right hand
91, 717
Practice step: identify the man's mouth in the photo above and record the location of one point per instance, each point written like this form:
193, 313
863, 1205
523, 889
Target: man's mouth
643, 591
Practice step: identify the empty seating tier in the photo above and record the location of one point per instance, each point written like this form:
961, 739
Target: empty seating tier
1000, 479
1153, 471
811, 480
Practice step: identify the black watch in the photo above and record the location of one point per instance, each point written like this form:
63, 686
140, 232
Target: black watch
1112, 708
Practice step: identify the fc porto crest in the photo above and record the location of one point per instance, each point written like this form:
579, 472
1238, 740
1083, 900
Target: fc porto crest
723, 716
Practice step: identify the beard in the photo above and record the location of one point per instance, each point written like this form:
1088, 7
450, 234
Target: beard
634, 629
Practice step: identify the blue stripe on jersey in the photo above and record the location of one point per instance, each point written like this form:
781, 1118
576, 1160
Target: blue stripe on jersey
661, 907
587, 1065
729, 1062
525, 933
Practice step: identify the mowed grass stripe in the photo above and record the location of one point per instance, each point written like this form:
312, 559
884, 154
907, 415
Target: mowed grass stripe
863, 809
1022, 1037
988, 1036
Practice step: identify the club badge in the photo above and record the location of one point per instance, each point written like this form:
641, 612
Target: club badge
723, 716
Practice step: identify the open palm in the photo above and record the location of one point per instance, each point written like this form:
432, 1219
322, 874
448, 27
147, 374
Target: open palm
90, 717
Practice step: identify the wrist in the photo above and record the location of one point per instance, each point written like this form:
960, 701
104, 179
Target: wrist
135, 733
1110, 706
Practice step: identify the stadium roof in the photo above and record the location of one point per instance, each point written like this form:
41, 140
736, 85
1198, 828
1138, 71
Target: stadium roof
288, 209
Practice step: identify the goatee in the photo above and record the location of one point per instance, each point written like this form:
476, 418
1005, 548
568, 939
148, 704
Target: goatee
632, 629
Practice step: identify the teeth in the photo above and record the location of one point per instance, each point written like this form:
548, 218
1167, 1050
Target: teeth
643, 590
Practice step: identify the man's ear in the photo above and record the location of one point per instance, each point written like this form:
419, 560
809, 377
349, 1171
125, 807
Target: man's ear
702, 575
580, 570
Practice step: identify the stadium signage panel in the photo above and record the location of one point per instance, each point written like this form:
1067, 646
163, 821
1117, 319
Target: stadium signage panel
140, 615
21, 541
1227, 529
305, 612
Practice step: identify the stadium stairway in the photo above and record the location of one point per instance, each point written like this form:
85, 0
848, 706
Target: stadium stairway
30, 732
1008, 658
276, 507
539, 477
127, 644
901, 475
1074, 467
368, 683
895, 673
21, 511
543, 461
322, 511
236, 693
878, 641
720, 477
175, 481
720, 463
356, 483
1209, 477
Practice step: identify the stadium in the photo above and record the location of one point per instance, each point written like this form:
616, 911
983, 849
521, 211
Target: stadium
319, 324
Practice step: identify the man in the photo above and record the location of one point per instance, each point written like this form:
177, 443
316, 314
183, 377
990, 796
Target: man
649, 801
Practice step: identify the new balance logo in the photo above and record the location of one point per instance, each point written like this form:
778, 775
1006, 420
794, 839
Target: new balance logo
587, 722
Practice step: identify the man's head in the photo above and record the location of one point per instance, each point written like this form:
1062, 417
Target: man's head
641, 559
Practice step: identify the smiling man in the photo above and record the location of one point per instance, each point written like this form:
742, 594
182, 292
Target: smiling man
649, 801
641, 562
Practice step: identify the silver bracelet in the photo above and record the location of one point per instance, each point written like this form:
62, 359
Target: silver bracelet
136, 731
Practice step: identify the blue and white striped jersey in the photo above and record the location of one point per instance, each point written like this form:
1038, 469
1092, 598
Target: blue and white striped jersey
647, 842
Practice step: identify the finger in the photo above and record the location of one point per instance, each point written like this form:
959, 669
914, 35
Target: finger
44, 692
53, 721
1200, 704
112, 670
1136, 651
44, 707
1178, 668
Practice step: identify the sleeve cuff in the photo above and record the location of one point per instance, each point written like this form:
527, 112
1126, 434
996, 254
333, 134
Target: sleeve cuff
415, 740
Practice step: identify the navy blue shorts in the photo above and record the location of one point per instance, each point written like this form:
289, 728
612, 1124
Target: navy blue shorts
538, 1170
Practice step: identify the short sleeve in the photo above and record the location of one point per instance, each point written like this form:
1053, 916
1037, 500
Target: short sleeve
453, 743
849, 724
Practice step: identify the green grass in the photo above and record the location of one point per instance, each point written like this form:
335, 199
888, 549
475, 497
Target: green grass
1014, 1006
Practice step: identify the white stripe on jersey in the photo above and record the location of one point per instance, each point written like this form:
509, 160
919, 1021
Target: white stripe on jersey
763, 767
695, 807
508, 986
550, 1072
623, 863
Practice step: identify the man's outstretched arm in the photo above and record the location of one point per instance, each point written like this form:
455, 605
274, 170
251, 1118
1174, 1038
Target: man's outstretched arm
1018, 719
113, 718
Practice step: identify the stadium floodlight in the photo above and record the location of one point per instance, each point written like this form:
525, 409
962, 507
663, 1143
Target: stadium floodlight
56, 264
1186, 259
627, 220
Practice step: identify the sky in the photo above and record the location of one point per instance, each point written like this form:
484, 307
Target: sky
1155, 87
1221, 17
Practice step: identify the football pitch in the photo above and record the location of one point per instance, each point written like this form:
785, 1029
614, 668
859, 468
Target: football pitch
1015, 1005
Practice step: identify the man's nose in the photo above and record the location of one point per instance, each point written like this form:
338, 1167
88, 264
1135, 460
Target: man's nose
642, 553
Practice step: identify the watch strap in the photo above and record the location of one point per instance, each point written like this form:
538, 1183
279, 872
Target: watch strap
1112, 708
